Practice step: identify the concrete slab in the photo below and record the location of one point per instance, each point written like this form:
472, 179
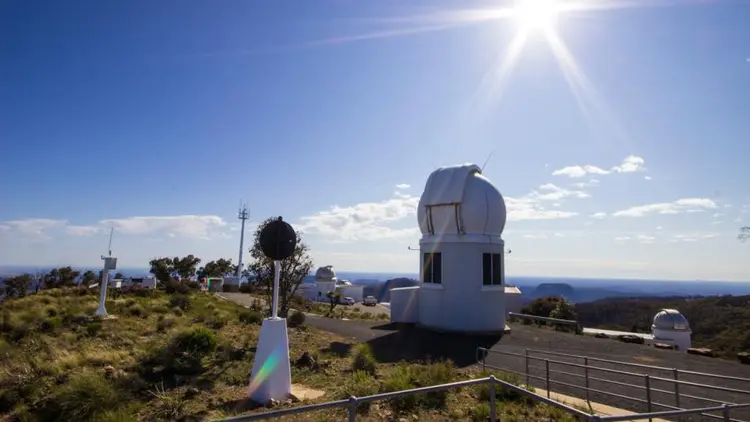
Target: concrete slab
597, 408
300, 392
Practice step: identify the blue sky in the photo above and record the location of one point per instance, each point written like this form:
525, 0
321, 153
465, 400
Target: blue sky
620, 134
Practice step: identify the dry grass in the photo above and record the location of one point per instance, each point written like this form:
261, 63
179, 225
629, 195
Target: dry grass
56, 361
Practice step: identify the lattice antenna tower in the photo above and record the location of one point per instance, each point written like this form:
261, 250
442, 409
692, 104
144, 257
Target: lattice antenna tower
243, 215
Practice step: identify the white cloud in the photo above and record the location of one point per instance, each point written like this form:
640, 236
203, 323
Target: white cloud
676, 207
527, 208
579, 171
647, 177
630, 164
559, 235
4, 227
403, 186
365, 221
589, 184
692, 237
621, 238
35, 227
659, 227
190, 226
82, 230
642, 238
599, 215
555, 193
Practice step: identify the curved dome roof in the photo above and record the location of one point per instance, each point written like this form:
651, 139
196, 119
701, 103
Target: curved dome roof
460, 200
670, 319
325, 273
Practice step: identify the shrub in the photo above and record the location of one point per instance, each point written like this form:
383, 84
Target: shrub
175, 286
216, 322
165, 324
177, 311
51, 312
93, 329
435, 374
193, 285
180, 301
183, 356
49, 325
363, 359
200, 341
250, 317
501, 393
84, 395
246, 288
296, 319
401, 379
361, 384
137, 311
481, 412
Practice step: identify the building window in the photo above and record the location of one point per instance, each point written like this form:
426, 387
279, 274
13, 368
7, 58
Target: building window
432, 268
492, 269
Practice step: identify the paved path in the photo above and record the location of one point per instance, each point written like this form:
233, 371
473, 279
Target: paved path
391, 345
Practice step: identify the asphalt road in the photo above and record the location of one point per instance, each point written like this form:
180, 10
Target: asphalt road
391, 343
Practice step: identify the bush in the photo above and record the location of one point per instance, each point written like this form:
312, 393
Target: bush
363, 359
182, 357
503, 394
401, 379
84, 395
247, 288
200, 341
174, 286
93, 329
250, 317
481, 412
296, 319
137, 311
216, 322
180, 301
435, 374
361, 384
165, 324
49, 325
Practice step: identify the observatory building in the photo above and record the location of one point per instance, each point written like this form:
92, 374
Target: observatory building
671, 327
326, 282
462, 256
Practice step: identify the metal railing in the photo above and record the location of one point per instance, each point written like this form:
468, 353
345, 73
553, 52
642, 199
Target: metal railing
352, 403
646, 385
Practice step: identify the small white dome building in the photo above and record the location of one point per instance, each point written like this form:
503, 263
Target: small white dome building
326, 282
671, 326
462, 262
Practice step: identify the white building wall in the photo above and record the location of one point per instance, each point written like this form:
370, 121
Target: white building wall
405, 305
681, 339
461, 302
354, 292
322, 289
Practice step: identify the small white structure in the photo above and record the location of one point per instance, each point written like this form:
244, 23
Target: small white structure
671, 327
513, 299
110, 263
462, 255
405, 304
325, 282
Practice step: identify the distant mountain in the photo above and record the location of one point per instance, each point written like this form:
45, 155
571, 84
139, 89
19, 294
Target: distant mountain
579, 294
382, 290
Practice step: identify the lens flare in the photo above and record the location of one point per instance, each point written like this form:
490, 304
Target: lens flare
265, 371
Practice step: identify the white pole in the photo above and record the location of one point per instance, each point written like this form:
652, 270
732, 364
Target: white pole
102, 311
276, 275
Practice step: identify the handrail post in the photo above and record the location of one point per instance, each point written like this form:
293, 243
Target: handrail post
546, 364
676, 376
493, 407
527, 368
353, 401
648, 394
725, 412
586, 372
484, 359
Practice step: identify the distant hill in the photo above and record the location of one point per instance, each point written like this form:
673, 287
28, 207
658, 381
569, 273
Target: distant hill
382, 290
573, 294
721, 323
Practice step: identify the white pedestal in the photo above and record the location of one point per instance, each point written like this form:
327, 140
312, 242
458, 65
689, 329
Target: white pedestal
272, 376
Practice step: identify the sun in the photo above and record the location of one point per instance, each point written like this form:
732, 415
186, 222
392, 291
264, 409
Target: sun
536, 14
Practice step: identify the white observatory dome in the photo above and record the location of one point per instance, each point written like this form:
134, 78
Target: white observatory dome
670, 319
325, 273
460, 200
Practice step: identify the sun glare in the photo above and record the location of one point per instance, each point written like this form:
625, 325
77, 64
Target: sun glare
536, 14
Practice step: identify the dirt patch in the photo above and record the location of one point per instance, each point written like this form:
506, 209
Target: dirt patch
646, 359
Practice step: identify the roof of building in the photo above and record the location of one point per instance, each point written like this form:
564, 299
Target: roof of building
325, 273
460, 200
670, 319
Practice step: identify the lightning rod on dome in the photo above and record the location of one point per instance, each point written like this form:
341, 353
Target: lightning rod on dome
487, 160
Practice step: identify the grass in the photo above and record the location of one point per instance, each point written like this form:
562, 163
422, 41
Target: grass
188, 357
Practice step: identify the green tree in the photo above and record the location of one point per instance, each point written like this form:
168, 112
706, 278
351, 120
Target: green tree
186, 267
88, 278
293, 270
18, 286
219, 268
334, 298
60, 277
564, 310
162, 269
119, 276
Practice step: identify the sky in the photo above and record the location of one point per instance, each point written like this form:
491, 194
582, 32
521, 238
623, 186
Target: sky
617, 131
